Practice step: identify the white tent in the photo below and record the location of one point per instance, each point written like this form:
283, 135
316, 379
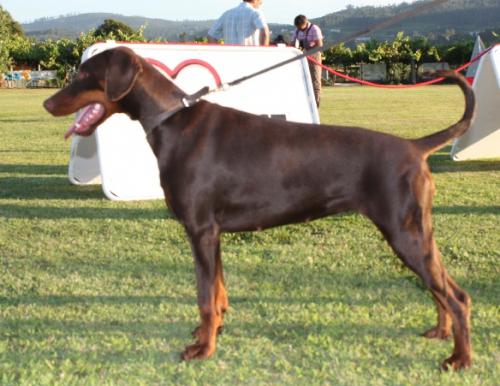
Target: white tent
482, 140
472, 69
118, 155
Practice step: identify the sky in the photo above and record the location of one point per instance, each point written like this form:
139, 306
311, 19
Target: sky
275, 11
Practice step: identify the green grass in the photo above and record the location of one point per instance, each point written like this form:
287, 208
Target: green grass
94, 292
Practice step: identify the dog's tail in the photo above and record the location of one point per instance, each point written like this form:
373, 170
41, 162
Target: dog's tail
433, 142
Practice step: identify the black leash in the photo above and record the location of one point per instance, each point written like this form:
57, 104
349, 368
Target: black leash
190, 100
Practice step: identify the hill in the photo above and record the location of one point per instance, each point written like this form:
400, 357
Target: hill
450, 21
454, 20
72, 25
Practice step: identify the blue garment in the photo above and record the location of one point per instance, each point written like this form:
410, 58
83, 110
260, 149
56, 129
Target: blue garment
240, 25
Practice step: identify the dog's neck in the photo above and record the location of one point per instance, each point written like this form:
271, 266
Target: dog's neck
165, 104
163, 96
151, 123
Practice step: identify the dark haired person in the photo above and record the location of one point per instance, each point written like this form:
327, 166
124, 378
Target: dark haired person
306, 37
241, 25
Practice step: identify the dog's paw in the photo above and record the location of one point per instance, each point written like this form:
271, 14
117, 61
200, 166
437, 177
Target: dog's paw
457, 362
197, 351
437, 333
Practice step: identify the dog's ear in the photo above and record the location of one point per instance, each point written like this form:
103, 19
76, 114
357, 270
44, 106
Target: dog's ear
124, 66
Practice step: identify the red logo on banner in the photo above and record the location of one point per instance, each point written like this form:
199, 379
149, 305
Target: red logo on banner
189, 62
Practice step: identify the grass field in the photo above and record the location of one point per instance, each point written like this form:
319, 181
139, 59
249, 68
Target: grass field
94, 292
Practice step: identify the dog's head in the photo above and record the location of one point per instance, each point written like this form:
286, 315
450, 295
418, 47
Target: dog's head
102, 81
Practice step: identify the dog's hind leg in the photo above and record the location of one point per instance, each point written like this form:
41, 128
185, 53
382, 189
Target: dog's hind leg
212, 297
426, 263
443, 328
407, 227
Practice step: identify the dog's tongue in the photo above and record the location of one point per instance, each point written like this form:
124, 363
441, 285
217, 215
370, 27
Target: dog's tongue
85, 118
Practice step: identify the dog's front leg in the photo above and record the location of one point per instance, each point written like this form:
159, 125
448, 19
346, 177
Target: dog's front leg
212, 298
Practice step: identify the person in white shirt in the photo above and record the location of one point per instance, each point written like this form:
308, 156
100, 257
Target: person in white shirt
242, 25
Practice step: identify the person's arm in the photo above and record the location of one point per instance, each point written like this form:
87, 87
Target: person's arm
215, 32
265, 36
316, 43
317, 37
259, 22
293, 41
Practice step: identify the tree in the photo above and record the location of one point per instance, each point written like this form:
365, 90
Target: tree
12, 27
397, 54
9, 28
116, 30
363, 50
338, 55
4, 52
428, 52
458, 53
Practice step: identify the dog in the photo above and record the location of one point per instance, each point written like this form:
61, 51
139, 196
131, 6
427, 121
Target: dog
224, 170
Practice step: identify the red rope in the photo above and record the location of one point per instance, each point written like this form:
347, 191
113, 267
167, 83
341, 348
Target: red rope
367, 83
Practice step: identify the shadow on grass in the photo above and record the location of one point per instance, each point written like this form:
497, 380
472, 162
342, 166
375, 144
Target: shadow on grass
21, 120
63, 300
43, 182
442, 163
34, 169
466, 209
347, 289
278, 332
13, 211
46, 188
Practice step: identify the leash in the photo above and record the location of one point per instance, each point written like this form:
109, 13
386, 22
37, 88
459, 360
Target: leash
192, 99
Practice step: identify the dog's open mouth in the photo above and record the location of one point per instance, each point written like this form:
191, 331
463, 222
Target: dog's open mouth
86, 120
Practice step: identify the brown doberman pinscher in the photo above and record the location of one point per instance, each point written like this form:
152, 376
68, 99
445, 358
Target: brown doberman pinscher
224, 170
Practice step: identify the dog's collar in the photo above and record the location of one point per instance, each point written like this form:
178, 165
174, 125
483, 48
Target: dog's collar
150, 124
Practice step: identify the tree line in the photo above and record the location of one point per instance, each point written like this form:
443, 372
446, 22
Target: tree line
63, 55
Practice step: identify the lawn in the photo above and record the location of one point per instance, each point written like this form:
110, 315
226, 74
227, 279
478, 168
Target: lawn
95, 292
